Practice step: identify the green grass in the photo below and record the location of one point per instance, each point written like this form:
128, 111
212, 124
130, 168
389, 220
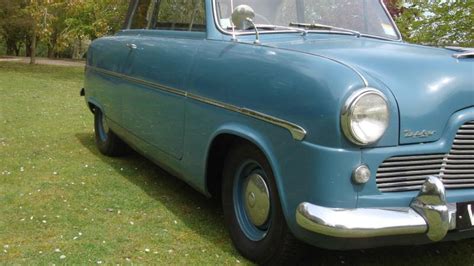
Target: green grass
58, 192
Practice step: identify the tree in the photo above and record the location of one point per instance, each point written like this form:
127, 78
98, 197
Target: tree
394, 7
14, 25
437, 22
89, 19
41, 23
57, 17
59, 24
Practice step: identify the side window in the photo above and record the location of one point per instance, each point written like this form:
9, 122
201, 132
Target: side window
140, 15
181, 15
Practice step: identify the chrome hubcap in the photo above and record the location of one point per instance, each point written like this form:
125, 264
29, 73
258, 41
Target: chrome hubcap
257, 199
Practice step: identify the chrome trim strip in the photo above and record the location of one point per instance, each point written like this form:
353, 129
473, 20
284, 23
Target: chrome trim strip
297, 132
394, 25
429, 214
214, 103
467, 54
140, 81
461, 52
223, 31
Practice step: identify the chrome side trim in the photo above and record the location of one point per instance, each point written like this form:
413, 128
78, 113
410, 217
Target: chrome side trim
428, 214
297, 132
214, 103
139, 81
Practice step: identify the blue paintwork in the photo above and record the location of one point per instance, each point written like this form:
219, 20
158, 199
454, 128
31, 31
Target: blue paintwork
427, 82
304, 80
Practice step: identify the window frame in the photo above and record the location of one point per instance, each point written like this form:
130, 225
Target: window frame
215, 15
132, 8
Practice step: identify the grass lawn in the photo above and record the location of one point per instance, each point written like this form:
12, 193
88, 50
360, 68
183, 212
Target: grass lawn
61, 202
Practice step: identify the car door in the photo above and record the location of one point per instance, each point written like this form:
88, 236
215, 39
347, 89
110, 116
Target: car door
110, 55
154, 110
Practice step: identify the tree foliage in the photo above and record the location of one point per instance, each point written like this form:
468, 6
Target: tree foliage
14, 25
437, 22
58, 23
62, 24
94, 18
394, 7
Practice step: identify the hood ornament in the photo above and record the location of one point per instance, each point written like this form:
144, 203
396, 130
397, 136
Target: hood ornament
462, 52
469, 54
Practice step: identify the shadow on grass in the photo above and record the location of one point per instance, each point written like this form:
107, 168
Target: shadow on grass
446, 253
175, 195
162, 186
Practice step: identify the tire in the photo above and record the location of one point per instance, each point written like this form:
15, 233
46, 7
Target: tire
270, 242
106, 140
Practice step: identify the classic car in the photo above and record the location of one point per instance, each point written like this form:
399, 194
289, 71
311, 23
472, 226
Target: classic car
312, 120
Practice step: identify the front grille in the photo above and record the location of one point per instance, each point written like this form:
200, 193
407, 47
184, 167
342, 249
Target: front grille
456, 169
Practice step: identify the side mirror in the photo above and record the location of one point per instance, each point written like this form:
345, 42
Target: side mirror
241, 16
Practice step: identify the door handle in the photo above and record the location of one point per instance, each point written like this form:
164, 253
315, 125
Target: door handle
132, 46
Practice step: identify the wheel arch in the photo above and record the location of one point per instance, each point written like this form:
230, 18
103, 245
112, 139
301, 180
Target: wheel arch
92, 104
221, 143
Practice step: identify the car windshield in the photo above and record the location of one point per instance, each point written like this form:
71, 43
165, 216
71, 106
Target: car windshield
367, 17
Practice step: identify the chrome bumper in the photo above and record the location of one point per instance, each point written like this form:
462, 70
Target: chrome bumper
429, 213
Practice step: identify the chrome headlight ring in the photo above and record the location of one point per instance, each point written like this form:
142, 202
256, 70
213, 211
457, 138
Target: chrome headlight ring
365, 116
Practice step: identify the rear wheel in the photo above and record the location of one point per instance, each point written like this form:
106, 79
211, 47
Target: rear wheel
106, 140
252, 209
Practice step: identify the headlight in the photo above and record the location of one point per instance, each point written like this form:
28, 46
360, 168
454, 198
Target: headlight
365, 117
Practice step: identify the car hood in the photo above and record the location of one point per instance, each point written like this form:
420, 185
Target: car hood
428, 83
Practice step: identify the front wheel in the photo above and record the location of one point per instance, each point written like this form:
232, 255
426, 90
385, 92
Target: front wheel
106, 141
252, 209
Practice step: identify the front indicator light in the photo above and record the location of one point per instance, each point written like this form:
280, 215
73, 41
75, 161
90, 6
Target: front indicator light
361, 174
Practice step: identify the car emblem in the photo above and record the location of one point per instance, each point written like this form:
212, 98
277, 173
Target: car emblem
418, 134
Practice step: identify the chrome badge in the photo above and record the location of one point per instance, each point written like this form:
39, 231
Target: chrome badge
418, 134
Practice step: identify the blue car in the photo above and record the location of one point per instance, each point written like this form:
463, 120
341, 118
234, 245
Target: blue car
311, 120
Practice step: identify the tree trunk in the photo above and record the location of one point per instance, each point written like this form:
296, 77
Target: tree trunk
18, 49
9, 50
79, 55
28, 46
50, 51
33, 49
11, 47
52, 44
75, 49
